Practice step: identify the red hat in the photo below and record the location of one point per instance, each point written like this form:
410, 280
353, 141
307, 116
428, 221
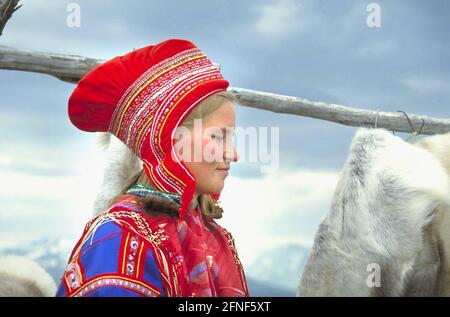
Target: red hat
141, 98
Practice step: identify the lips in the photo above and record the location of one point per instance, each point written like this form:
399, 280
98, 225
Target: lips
223, 170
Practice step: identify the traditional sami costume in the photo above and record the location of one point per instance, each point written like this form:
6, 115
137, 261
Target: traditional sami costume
141, 98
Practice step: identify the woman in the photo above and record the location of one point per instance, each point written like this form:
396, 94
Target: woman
159, 237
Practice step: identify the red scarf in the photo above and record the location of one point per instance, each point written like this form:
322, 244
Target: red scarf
196, 257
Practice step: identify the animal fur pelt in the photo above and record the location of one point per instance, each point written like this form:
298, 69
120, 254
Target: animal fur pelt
121, 165
22, 277
437, 235
380, 221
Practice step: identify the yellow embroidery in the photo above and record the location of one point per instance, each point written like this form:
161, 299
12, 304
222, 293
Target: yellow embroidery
124, 252
148, 83
138, 266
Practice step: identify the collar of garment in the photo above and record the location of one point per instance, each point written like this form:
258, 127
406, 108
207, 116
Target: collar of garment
149, 191
146, 191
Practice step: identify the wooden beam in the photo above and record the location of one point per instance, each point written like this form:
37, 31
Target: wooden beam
71, 68
68, 68
393, 121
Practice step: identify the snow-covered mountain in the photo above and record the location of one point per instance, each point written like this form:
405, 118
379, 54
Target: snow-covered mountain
273, 273
51, 253
281, 267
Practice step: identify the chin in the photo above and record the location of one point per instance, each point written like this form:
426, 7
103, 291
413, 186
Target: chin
220, 186
214, 189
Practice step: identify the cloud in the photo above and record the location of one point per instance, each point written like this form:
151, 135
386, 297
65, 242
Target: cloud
278, 18
5, 160
36, 205
280, 208
377, 49
426, 85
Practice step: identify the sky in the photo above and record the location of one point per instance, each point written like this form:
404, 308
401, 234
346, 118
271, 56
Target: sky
320, 50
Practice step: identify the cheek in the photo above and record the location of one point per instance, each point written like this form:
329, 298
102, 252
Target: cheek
211, 151
201, 170
208, 180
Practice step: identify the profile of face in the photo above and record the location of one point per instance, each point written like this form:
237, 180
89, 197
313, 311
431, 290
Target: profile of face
208, 150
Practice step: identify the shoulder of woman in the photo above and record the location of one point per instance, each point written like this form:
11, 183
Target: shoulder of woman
114, 259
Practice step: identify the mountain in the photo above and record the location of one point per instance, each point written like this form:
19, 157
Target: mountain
281, 267
53, 253
258, 288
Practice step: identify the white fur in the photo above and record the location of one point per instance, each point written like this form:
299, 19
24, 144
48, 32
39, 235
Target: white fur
439, 146
437, 239
121, 165
21, 276
386, 196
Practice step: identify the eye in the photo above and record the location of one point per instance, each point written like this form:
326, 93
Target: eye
218, 137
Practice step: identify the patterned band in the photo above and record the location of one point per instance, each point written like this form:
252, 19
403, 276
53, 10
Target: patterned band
153, 95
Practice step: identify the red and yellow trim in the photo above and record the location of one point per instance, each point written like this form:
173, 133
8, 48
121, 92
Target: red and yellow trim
130, 101
116, 280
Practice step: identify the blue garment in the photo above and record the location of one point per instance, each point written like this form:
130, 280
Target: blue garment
101, 265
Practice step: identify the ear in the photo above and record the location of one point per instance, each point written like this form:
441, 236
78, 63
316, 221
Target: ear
182, 143
178, 144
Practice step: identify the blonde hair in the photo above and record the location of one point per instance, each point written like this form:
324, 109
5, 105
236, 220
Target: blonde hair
208, 205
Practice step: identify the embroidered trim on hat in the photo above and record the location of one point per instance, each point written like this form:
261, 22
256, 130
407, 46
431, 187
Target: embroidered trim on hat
140, 81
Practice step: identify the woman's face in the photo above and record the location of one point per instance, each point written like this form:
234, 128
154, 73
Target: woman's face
211, 149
